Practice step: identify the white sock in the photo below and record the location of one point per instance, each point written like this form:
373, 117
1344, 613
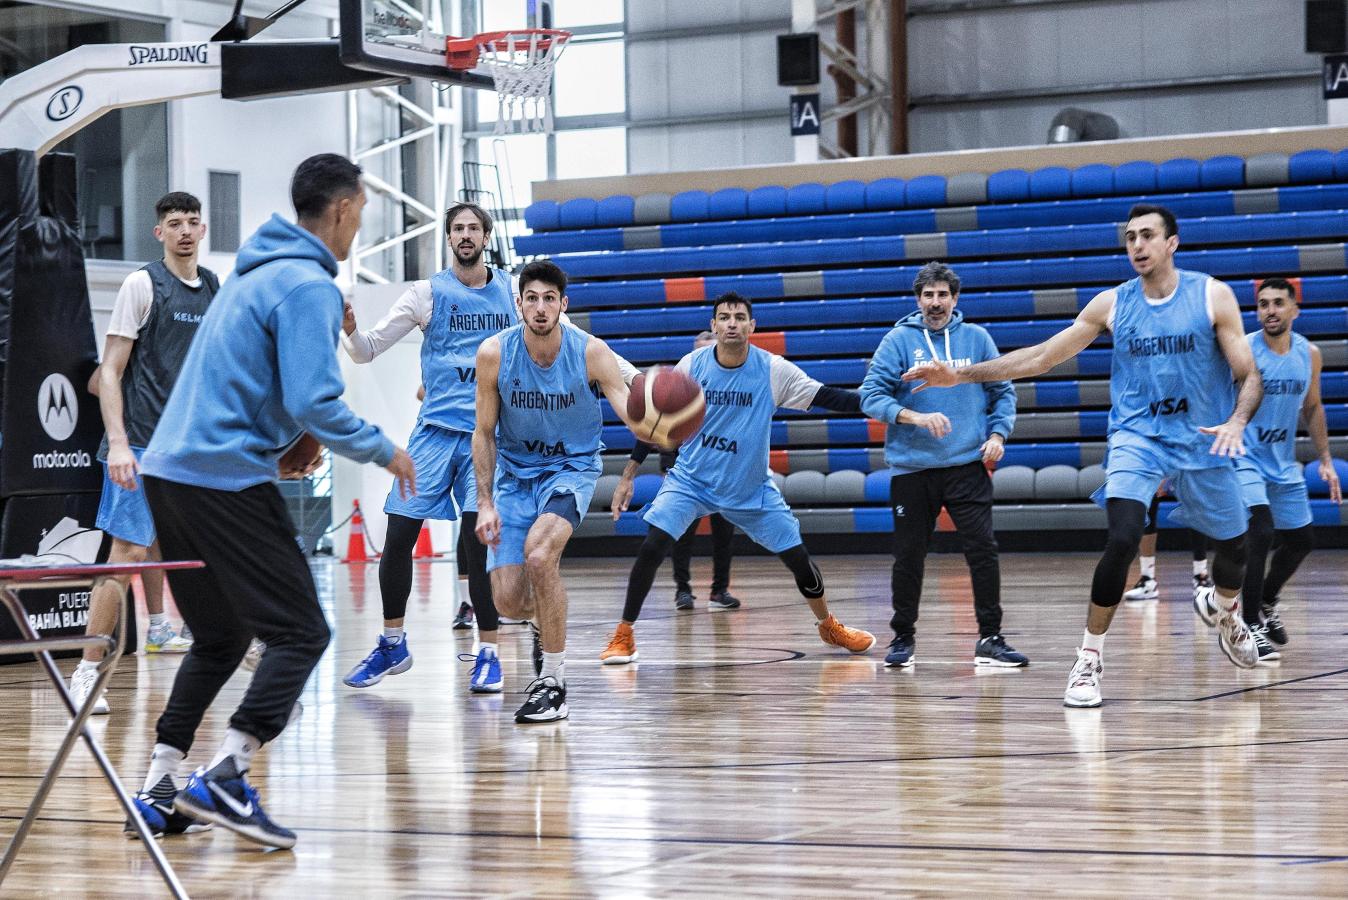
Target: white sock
393, 634
554, 665
1200, 567
1148, 564
158, 620
87, 664
1094, 642
239, 745
165, 760
489, 647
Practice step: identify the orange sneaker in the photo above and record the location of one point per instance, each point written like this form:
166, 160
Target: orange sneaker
623, 647
839, 635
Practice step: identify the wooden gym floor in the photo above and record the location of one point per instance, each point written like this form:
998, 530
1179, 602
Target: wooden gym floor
743, 757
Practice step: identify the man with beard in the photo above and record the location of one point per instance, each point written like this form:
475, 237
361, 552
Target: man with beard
1271, 479
457, 310
536, 457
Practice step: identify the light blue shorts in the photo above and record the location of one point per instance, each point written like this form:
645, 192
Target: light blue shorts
1289, 503
446, 486
1210, 499
125, 514
772, 525
520, 501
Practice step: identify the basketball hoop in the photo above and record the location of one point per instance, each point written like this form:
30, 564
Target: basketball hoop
520, 64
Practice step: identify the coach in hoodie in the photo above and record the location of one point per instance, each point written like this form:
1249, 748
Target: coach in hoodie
261, 372
937, 449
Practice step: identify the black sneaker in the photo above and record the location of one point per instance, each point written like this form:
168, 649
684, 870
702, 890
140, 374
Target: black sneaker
156, 809
684, 599
537, 650
722, 600
464, 620
995, 651
1273, 624
901, 652
1267, 652
546, 703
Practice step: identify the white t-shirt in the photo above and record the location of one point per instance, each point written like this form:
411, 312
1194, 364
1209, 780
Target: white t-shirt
131, 309
791, 387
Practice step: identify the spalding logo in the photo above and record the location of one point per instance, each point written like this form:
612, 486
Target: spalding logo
57, 408
65, 102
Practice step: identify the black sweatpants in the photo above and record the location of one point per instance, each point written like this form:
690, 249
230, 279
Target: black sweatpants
722, 533
915, 502
256, 582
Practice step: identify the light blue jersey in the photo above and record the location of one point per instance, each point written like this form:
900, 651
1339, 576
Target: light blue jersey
461, 319
1270, 437
550, 419
1168, 376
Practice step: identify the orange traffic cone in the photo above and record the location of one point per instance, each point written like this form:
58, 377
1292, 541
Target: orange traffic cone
355, 541
424, 549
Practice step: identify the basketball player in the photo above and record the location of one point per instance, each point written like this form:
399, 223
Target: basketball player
154, 319
536, 455
724, 468
1271, 479
261, 372
722, 532
457, 310
1178, 343
1147, 587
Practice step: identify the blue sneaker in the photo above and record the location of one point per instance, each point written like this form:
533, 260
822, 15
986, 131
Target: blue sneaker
156, 809
486, 677
387, 658
902, 652
224, 797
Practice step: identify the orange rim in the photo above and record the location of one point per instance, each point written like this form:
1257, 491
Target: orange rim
463, 53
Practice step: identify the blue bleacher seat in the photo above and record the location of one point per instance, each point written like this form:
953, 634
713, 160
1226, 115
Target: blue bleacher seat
1138, 177
728, 203
1179, 175
614, 211
1341, 165
1052, 183
1222, 172
1316, 485
1009, 186
886, 193
806, 200
925, 190
1094, 180
1310, 166
578, 213
689, 206
769, 200
847, 196
542, 215
877, 487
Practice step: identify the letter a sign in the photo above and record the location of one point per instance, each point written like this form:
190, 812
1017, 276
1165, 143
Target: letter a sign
804, 114
1336, 77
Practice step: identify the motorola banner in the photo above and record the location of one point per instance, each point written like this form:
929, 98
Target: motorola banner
49, 421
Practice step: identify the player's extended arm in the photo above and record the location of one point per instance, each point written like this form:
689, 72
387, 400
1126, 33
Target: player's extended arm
122, 467
484, 440
402, 317
1313, 409
601, 367
1230, 333
1026, 362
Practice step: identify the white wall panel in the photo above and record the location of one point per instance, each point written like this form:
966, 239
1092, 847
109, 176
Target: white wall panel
667, 15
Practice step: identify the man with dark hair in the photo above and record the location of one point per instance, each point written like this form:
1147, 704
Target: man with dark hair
154, 319
261, 373
1272, 481
456, 310
938, 447
1178, 345
536, 457
724, 468
722, 532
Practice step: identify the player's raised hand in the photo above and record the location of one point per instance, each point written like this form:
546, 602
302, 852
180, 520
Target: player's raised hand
937, 425
1229, 439
1331, 477
931, 374
488, 525
622, 497
404, 473
348, 318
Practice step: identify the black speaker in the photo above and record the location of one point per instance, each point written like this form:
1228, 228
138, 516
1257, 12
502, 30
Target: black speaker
1326, 26
798, 59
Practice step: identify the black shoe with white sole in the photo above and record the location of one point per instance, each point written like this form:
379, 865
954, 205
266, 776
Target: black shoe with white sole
1273, 623
995, 651
546, 703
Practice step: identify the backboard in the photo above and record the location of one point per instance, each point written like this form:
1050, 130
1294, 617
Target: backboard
403, 37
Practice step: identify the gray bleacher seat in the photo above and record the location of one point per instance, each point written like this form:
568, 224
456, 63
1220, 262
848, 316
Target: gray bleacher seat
1267, 170
1013, 483
778, 479
966, 189
1055, 483
603, 491
804, 488
651, 209
845, 487
1089, 479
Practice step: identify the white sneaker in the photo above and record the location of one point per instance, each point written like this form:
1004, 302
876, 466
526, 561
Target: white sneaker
1234, 637
1083, 685
1145, 589
1205, 604
254, 655
81, 683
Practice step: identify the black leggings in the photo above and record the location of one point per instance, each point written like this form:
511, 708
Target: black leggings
1126, 518
1293, 547
395, 569
1198, 541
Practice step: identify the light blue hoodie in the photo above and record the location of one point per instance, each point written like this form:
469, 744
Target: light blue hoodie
976, 411
262, 370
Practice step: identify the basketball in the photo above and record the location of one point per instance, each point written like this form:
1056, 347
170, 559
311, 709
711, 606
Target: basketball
668, 405
302, 458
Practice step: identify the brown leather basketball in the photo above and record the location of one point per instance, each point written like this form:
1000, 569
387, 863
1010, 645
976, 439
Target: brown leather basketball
305, 455
667, 405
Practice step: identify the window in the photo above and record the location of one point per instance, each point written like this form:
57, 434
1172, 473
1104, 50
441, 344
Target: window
222, 212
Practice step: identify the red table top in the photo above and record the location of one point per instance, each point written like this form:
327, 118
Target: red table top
91, 570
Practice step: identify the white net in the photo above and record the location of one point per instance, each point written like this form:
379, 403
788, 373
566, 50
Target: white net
521, 65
